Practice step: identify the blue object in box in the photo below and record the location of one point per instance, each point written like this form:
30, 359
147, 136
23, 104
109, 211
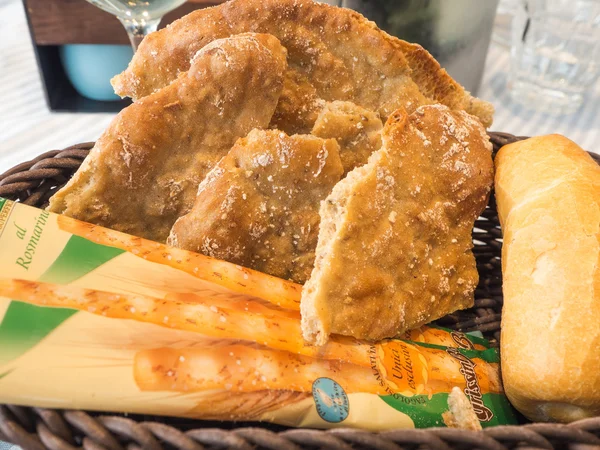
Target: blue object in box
90, 67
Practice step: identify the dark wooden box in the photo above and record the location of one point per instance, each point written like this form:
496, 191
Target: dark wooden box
53, 23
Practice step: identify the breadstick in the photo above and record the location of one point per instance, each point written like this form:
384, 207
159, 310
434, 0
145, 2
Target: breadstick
282, 293
441, 365
240, 368
276, 331
235, 302
430, 335
282, 333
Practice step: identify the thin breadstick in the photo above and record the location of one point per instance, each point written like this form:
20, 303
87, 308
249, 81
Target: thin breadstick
235, 302
441, 365
430, 335
282, 293
240, 368
400, 360
278, 332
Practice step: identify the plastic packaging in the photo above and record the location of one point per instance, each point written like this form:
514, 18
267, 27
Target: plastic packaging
95, 319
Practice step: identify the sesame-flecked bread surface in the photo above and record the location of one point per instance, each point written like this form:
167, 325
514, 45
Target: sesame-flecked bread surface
259, 207
394, 248
144, 171
333, 54
356, 129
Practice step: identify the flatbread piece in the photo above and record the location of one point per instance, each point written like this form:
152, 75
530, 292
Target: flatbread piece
259, 207
143, 173
357, 131
394, 248
338, 52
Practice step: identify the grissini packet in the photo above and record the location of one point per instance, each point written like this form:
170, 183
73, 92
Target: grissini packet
96, 319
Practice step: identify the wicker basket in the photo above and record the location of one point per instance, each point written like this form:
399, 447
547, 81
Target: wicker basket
34, 183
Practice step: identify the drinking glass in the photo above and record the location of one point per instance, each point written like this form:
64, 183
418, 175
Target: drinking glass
555, 53
139, 17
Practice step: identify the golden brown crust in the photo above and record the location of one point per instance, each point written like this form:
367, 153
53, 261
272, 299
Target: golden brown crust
259, 207
435, 83
548, 195
298, 105
342, 54
144, 171
394, 248
357, 131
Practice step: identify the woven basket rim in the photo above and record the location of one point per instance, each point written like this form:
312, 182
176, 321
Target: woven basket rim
33, 183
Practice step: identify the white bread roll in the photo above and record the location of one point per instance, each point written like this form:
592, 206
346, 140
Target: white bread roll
548, 195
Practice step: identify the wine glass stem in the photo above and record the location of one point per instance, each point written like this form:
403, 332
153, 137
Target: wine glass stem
137, 30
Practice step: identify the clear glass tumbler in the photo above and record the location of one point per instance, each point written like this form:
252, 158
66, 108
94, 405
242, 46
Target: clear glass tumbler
555, 53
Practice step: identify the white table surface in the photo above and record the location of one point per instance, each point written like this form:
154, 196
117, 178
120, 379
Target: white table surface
27, 128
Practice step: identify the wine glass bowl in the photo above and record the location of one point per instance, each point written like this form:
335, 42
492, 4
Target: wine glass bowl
139, 17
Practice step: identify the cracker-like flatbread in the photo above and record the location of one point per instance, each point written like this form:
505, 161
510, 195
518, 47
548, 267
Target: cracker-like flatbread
339, 52
143, 173
357, 131
259, 207
395, 242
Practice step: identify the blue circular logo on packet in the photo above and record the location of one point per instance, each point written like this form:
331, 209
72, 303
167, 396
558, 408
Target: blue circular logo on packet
331, 400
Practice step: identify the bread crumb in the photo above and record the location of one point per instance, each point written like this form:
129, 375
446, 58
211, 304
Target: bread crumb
460, 412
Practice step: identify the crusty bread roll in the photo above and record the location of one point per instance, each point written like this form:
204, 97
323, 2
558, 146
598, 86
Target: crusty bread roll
548, 195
